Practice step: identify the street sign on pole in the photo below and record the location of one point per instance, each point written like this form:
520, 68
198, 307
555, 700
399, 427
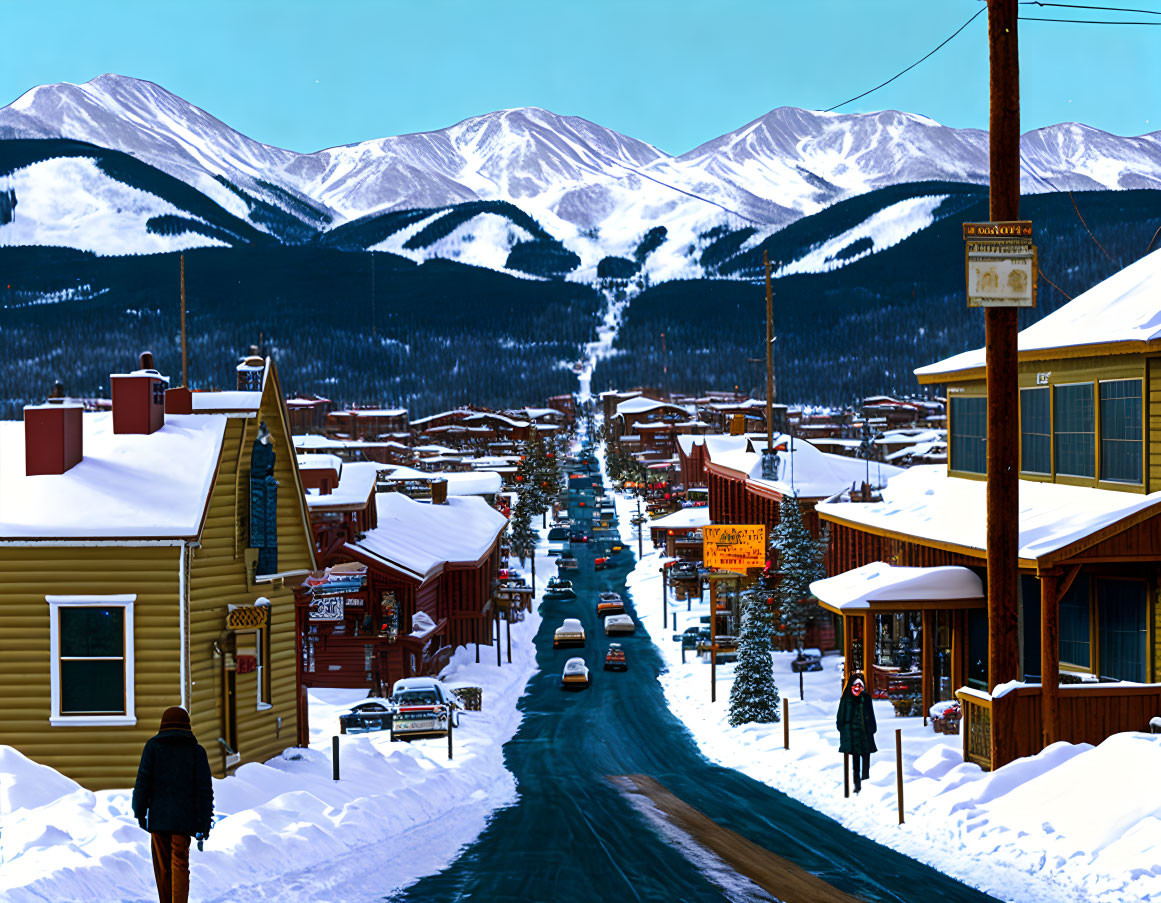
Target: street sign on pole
734, 547
1000, 264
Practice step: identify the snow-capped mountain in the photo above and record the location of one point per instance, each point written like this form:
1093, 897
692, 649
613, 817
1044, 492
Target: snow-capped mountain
595, 190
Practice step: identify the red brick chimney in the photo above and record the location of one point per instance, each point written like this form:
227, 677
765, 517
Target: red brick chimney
139, 399
439, 492
52, 436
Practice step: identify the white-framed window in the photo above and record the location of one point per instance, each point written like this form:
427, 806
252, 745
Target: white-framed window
91, 660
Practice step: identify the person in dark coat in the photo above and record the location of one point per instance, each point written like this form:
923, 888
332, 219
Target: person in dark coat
856, 727
173, 799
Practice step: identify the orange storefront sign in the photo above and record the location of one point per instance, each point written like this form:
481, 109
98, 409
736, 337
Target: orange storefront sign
734, 547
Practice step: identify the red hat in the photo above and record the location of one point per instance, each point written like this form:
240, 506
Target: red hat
175, 718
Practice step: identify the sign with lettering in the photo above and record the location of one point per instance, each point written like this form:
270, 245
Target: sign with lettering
1000, 264
734, 547
326, 608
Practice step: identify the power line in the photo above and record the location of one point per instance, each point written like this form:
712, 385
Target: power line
1107, 9
1083, 21
912, 66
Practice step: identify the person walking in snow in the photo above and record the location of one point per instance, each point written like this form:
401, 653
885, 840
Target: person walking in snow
856, 727
173, 799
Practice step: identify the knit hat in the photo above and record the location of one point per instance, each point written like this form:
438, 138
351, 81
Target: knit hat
175, 718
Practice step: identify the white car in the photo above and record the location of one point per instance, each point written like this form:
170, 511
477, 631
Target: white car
424, 708
575, 675
570, 633
616, 624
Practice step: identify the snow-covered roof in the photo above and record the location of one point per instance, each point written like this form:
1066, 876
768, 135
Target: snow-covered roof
125, 486
420, 538
806, 471
356, 483
299, 401
715, 443
925, 503
488, 415
477, 482
682, 518
641, 404
734, 405
1124, 308
225, 401
374, 412
319, 462
881, 582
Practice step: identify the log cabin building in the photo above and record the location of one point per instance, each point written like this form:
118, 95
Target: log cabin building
148, 558
1089, 534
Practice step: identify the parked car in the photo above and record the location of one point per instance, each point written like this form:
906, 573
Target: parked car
600, 563
567, 563
615, 658
558, 533
692, 636
369, 715
683, 570
610, 604
806, 662
559, 588
424, 708
570, 633
617, 624
575, 675
578, 536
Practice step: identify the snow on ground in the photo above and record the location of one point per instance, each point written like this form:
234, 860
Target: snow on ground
71, 202
1076, 822
286, 830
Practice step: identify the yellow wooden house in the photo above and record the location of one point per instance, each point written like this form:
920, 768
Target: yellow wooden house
1089, 530
141, 566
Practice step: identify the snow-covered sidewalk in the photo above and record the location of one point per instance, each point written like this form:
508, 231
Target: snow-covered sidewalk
287, 831
1076, 823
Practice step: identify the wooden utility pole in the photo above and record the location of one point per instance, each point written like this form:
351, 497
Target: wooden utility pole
1003, 529
184, 371
769, 356
1049, 658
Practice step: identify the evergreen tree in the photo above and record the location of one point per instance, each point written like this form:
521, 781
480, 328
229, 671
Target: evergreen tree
754, 696
799, 564
521, 535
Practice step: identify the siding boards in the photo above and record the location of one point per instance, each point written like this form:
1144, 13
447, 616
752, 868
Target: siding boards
99, 757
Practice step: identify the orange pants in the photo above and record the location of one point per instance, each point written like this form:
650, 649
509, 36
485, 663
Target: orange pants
171, 866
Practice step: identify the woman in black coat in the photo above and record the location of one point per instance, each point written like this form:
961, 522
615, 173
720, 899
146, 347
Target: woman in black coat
856, 726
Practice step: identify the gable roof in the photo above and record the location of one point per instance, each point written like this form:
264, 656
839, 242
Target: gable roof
1124, 311
154, 486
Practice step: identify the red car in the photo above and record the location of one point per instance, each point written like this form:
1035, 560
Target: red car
615, 658
579, 537
599, 564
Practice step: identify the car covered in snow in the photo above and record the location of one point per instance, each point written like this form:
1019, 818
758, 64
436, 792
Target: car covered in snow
368, 715
424, 707
619, 624
610, 604
570, 633
575, 675
559, 588
615, 658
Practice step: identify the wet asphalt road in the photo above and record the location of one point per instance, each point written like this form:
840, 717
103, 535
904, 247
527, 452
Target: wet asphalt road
574, 837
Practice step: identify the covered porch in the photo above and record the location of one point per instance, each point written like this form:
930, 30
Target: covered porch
921, 611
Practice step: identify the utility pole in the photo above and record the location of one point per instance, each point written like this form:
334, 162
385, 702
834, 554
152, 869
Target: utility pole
769, 357
184, 373
664, 368
1000, 341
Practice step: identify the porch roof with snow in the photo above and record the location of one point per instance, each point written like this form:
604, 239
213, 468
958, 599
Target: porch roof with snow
356, 486
804, 470
1121, 315
926, 506
683, 519
885, 587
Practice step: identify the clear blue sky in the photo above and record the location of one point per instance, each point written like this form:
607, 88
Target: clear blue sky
308, 75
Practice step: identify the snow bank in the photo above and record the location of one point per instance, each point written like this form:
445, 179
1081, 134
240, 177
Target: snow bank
285, 829
1076, 822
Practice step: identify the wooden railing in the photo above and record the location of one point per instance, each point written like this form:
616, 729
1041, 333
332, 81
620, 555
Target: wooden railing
998, 730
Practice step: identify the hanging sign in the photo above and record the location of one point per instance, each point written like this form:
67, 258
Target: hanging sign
734, 547
1001, 265
326, 607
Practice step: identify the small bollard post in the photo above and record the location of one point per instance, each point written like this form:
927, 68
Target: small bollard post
335, 757
846, 775
785, 723
449, 733
682, 642
801, 697
508, 632
899, 769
